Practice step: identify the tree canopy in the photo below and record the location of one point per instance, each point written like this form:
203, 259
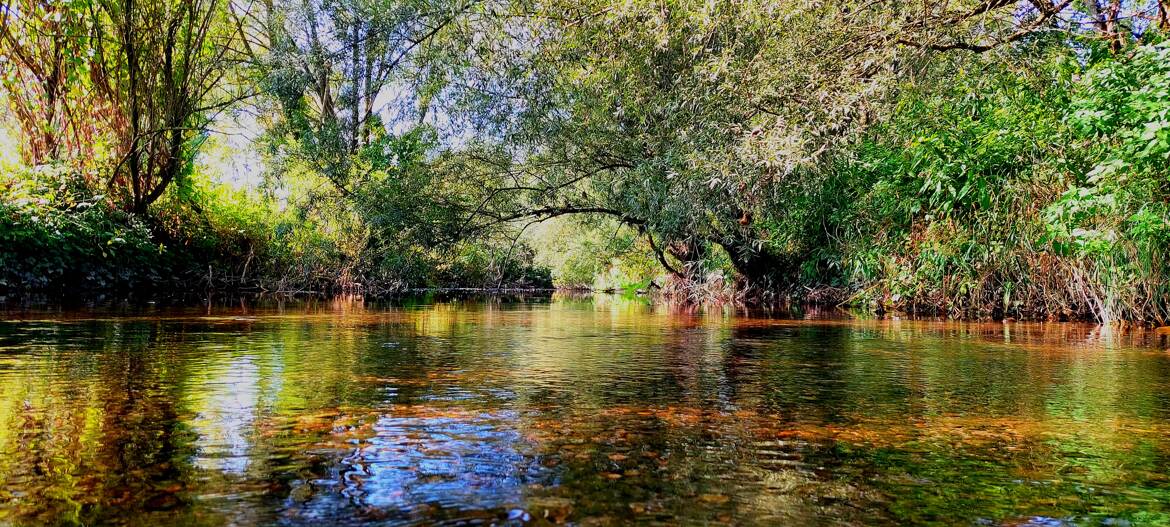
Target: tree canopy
988, 155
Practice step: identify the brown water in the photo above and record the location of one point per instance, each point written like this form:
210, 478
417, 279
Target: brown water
588, 412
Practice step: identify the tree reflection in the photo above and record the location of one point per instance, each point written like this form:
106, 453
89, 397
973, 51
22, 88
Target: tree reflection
577, 411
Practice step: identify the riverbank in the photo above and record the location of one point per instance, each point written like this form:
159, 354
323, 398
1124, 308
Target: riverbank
60, 236
816, 302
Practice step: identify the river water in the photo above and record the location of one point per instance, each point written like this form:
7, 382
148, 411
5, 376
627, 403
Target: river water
579, 411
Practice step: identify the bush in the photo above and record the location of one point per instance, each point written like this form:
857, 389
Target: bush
55, 234
1012, 195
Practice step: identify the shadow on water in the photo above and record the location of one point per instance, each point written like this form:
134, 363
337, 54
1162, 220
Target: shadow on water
579, 410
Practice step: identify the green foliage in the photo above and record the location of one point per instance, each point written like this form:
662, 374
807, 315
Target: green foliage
947, 192
1114, 222
601, 254
55, 234
963, 157
958, 203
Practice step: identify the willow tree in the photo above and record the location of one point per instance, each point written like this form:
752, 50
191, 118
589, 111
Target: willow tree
345, 111
43, 75
681, 119
163, 64
709, 124
140, 78
334, 69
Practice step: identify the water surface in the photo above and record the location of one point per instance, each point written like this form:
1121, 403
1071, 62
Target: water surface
598, 411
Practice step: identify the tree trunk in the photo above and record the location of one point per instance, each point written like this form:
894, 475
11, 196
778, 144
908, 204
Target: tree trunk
756, 267
356, 74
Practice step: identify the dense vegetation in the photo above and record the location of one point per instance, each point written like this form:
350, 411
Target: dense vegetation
978, 158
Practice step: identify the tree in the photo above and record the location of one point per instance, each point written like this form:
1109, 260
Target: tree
42, 72
163, 63
701, 123
334, 72
685, 120
330, 67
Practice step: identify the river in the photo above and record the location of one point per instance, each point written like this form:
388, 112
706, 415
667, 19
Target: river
567, 410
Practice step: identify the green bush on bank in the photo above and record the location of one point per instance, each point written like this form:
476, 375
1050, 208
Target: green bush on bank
58, 234
1015, 195
1113, 223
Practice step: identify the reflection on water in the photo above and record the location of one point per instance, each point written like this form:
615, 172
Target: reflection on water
420, 465
227, 400
587, 411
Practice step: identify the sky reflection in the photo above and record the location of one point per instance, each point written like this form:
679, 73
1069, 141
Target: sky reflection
432, 461
227, 410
